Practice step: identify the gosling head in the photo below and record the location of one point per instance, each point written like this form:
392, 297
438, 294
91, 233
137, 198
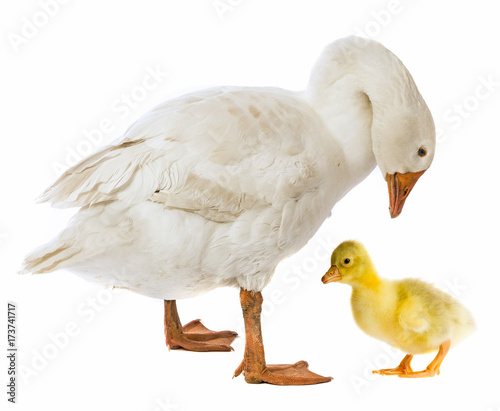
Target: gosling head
351, 264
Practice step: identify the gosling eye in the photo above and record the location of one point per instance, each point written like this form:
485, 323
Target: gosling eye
347, 261
422, 152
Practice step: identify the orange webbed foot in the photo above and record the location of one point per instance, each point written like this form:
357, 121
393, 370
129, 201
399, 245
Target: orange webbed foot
254, 366
420, 374
404, 370
283, 374
401, 369
196, 337
193, 336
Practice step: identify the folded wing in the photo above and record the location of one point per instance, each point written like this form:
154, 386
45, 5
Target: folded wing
216, 153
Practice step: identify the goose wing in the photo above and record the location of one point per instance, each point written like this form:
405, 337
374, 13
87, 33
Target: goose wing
216, 153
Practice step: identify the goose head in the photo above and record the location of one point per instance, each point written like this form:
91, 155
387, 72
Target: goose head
402, 133
403, 144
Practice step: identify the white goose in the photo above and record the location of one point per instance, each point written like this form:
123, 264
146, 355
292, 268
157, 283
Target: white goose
216, 187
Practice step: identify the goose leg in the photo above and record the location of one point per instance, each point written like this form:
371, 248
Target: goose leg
433, 368
403, 368
254, 366
194, 336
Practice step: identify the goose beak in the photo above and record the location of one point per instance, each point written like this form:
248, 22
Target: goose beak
400, 186
331, 275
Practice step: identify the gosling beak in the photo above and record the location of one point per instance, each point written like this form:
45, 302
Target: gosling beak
332, 275
400, 186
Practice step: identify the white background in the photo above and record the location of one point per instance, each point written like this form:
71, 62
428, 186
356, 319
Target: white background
71, 75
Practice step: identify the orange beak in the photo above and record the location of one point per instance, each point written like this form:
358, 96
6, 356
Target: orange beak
400, 186
331, 275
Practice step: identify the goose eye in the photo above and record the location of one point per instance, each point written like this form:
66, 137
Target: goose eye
422, 152
347, 261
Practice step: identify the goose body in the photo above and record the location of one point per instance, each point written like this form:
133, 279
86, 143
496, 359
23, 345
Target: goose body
211, 189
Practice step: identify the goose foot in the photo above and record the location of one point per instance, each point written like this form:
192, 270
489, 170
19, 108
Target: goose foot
254, 366
281, 374
193, 336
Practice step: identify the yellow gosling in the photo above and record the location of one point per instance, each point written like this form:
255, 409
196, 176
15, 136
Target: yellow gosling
408, 314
